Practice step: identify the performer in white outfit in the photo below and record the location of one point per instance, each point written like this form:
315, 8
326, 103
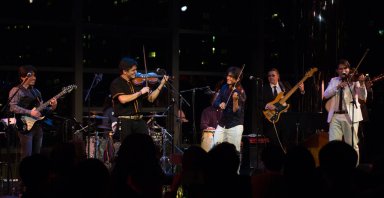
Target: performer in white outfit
342, 111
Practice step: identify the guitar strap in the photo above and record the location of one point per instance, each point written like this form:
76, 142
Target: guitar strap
36, 95
282, 87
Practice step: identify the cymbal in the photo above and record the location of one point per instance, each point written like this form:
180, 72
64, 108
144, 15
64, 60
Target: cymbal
155, 116
96, 117
104, 127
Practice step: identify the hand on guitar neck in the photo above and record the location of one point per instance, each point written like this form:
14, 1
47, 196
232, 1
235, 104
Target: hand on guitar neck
26, 122
279, 105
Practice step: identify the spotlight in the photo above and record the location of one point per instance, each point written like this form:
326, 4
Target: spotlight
184, 8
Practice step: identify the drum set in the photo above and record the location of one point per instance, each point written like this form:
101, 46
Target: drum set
163, 140
100, 144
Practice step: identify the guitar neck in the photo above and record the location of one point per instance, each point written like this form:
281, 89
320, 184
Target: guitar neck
290, 92
378, 78
44, 105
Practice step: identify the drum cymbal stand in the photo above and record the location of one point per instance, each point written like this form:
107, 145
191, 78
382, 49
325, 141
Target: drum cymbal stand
88, 137
165, 162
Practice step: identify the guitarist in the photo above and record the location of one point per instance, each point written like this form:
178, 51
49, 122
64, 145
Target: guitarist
25, 98
270, 91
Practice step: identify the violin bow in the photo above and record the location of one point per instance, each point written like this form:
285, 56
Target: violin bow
234, 86
145, 67
358, 65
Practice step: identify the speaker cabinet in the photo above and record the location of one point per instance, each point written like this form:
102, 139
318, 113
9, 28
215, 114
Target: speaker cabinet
251, 151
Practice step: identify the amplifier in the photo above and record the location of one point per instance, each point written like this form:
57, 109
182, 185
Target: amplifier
251, 149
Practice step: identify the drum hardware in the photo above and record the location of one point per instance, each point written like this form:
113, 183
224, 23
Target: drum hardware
97, 146
104, 127
95, 117
162, 138
164, 160
92, 139
155, 116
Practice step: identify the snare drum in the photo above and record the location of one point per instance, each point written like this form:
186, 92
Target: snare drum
207, 139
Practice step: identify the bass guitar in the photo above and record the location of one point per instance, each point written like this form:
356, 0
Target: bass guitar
280, 100
25, 123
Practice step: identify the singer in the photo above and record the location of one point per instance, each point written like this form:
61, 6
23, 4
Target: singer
23, 99
231, 124
344, 113
127, 98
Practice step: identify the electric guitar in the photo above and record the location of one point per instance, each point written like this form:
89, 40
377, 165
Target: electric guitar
376, 78
280, 100
25, 123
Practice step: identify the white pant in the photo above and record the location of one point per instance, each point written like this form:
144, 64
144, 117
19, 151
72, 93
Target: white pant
232, 135
340, 127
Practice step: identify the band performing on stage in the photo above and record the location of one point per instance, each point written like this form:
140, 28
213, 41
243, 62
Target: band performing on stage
221, 121
124, 134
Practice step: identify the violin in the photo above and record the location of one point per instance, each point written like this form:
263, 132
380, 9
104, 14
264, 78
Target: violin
151, 78
354, 76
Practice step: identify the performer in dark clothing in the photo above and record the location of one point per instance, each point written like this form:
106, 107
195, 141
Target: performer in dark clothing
231, 123
270, 91
25, 99
209, 120
127, 98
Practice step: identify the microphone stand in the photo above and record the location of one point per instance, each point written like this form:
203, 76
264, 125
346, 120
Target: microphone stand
180, 104
94, 83
8, 132
259, 93
193, 109
354, 105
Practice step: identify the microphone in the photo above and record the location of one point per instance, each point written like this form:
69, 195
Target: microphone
208, 91
343, 76
29, 74
161, 71
255, 78
99, 77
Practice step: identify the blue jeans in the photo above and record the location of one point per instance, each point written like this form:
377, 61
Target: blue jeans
30, 142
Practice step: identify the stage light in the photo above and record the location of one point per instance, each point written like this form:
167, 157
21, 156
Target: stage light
184, 8
381, 32
152, 54
320, 18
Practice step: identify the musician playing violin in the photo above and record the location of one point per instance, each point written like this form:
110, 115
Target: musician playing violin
344, 111
230, 101
127, 97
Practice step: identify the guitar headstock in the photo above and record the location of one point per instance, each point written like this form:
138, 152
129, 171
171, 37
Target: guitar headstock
378, 78
69, 88
311, 72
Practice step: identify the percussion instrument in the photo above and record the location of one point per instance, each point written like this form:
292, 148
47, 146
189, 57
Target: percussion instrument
207, 139
156, 133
